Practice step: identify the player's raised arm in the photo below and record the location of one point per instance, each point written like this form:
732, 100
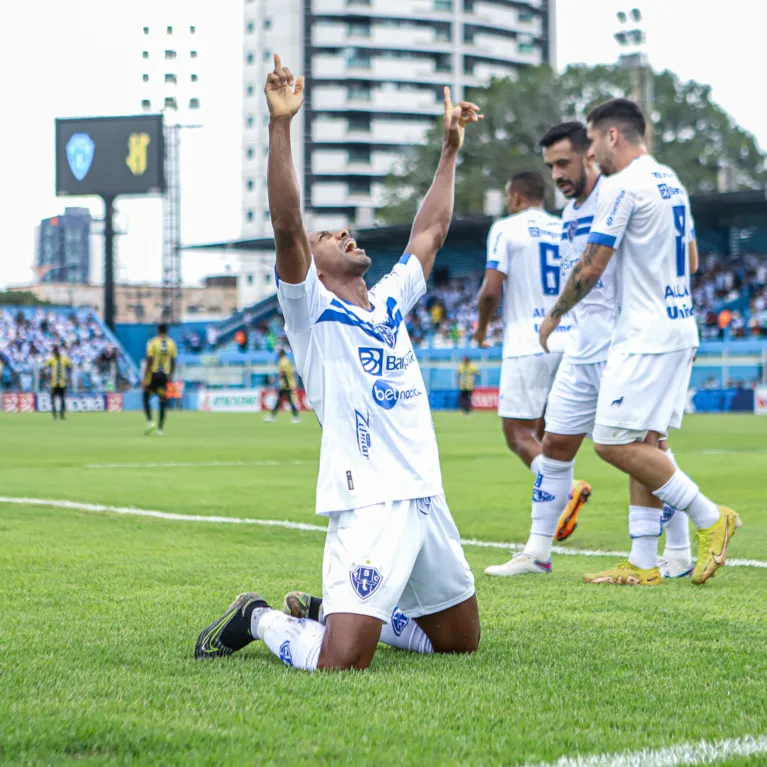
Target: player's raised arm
433, 220
284, 96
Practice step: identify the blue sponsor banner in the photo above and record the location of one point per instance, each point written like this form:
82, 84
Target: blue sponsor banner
723, 401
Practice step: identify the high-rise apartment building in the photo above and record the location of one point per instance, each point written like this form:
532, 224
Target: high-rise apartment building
375, 70
63, 252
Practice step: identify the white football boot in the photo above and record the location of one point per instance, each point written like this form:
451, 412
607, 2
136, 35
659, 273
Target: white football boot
676, 564
520, 564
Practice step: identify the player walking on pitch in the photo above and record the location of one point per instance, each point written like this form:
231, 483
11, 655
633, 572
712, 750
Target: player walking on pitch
159, 368
391, 539
643, 216
286, 388
60, 373
523, 264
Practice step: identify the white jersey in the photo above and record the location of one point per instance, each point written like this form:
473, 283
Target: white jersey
525, 247
643, 212
593, 319
364, 383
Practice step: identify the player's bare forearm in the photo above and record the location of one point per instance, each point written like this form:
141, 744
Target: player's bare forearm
432, 222
488, 305
584, 276
293, 254
692, 250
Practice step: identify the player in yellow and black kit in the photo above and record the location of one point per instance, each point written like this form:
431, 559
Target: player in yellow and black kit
467, 375
286, 387
158, 373
59, 368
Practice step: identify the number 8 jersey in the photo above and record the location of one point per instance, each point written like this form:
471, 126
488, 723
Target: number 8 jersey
643, 212
525, 247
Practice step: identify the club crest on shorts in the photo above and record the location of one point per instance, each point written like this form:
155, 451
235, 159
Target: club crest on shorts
365, 580
398, 621
285, 655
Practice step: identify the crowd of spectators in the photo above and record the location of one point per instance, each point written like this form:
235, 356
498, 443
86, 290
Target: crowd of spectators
27, 341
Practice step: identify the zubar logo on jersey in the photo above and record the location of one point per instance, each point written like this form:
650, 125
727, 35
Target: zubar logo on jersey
387, 396
363, 433
375, 361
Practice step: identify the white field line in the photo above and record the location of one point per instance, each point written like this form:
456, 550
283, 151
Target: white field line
183, 465
702, 752
132, 511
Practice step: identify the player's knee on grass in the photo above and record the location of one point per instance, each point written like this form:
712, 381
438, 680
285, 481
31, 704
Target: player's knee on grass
350, 642
561, 447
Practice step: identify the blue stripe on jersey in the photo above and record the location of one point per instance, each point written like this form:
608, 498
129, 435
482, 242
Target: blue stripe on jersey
386, 332
585, 219
596, 238
405, 258
276, 278
578, 232
492, 264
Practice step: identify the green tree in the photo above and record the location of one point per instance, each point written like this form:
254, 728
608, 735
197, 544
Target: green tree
691, 132
21, 298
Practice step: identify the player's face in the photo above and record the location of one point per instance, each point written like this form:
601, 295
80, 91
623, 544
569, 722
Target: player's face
568, 168
603, 148
336, 254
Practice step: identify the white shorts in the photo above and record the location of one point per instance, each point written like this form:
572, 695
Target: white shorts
525, 385
572, 403
641, 393
404, 554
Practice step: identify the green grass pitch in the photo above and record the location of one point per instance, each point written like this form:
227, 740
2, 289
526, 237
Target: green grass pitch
100, 612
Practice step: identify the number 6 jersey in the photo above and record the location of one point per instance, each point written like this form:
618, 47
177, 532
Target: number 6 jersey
525, 247
643, 212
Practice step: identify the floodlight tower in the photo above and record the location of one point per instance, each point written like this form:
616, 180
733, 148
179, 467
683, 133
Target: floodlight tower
632, 37
170, 77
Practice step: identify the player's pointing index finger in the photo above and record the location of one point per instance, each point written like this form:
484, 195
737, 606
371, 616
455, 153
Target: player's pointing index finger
277, 61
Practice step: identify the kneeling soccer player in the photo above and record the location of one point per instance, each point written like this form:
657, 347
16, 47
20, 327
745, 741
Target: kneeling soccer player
391, 540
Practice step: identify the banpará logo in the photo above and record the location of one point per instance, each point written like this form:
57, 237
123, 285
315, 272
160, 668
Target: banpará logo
387, 396
375, 361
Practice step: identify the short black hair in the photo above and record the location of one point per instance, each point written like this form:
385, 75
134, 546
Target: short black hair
530, 184
621, 113
162, 328
574, 130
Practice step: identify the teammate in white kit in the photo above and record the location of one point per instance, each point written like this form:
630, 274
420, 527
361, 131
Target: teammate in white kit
523, 265
391, 539
643, 215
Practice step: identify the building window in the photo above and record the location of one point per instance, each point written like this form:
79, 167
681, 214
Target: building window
526, 46
145, 78
170, 102
146, 104
250, 58
250, 90
267, 56
358, 59
145, 54
267, 23
193, 54
250, 153
359, 154
193, 78
351, 3
146, 30
249, 28
358, 29
170, 77
169, 30
194, 103
443, 63
250, 276
359, 123
267, 279
443, 5
358, 186
443, 33
250, 215
250, 185
526, 16
249, 121
192, 30
169, 55
267, 217
358, 92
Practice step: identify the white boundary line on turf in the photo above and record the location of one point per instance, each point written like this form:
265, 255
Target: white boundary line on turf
700, 753
132, 511
184, 465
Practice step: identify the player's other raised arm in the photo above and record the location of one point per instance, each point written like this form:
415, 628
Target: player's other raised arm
284, 96
433, 220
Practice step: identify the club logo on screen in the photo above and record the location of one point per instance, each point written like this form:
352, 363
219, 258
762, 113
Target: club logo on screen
137, 153
80, 151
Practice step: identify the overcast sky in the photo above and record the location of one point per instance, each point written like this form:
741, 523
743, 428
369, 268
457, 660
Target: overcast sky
74, 58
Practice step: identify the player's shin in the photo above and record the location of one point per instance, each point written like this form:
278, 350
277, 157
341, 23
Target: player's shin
405, 634
551, 492
163, 405
147, 408
645, 527
295, 641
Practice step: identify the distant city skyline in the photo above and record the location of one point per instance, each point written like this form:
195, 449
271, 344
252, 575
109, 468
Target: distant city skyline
85, 59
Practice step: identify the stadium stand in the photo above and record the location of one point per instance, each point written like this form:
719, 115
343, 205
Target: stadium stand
28, 335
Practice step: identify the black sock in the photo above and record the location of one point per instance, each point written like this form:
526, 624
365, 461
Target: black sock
237, 634
63, 408
162, 412
293, 408
147, 409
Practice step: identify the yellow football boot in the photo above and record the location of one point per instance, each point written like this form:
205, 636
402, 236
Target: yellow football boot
625, 574
712, 545
568, 520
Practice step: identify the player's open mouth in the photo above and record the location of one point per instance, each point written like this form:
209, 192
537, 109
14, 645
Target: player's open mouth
350, 246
